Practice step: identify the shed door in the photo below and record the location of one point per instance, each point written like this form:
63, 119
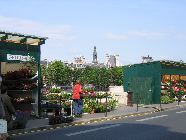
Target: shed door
142, 88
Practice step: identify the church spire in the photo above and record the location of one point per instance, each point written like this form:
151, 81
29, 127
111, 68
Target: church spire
95, 61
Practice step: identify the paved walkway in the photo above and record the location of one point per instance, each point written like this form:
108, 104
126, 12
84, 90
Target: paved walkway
120, 111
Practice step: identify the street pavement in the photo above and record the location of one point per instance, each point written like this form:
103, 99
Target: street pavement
166, 125
121, 110
41, 125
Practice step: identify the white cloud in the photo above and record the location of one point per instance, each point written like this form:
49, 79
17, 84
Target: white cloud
146, 35
59, 32
134, 34
181, 36
116, 37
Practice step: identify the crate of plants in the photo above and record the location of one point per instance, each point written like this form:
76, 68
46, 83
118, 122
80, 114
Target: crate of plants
100, 108
24, 73
67, 107
20, 79
61, 118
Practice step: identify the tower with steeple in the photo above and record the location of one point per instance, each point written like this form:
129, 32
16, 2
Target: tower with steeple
95, 61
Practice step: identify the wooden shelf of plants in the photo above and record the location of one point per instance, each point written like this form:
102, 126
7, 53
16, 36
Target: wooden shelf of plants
22, 90
55, 99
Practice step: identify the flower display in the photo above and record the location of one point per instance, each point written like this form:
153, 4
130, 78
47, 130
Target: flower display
20, 74
56, 96
20, 79
177, 87
52, 96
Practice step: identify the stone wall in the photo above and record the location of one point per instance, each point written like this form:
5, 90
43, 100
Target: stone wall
118, 93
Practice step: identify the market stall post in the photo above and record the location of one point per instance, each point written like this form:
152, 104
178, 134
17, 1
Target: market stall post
105, 89
179, 92
39, 89
161, 95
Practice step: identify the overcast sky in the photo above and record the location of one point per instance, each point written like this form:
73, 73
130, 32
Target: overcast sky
130, 28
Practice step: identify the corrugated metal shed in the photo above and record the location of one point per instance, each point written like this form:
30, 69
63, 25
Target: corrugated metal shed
144, 79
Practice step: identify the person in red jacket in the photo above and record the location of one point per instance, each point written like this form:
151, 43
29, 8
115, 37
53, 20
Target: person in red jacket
77, 101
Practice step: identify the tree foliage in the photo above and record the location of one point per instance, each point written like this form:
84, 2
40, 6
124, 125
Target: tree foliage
58, 73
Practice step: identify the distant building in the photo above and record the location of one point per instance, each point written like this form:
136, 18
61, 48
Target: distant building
45, 62
146, 59
95, 61
112, 61
80, 61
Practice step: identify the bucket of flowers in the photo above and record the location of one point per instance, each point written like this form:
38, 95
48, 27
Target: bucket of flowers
67, 107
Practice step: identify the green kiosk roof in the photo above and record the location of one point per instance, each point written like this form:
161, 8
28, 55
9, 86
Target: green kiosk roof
17, 47
21, 38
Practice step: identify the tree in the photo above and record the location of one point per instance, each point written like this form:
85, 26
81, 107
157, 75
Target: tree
117, 76
58, 73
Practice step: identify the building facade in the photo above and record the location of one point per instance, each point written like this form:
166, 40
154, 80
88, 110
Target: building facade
112, 61
80, 61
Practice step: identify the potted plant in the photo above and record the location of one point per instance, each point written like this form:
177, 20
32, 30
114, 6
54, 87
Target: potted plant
67, 107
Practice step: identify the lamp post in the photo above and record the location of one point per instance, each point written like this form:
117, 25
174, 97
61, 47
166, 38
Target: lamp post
106, 103
106, 90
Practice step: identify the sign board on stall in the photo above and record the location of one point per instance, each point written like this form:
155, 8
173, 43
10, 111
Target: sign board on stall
18, 57
12, 52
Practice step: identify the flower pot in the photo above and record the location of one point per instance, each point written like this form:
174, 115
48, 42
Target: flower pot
68, 111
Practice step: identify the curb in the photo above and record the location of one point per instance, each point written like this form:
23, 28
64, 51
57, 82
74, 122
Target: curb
20, 132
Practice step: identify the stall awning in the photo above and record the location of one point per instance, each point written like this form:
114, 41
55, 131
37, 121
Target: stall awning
16, 47
21, 39
173, 68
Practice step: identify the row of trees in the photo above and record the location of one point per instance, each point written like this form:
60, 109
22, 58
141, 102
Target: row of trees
57, 73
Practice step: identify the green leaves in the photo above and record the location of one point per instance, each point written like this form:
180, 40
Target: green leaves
165, 99
58, 73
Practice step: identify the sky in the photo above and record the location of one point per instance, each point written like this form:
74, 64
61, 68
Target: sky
129, 28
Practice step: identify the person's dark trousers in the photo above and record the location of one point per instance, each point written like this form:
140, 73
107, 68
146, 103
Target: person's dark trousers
76, 106
80, 106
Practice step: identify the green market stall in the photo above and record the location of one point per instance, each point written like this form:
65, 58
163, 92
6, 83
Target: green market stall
148, 81
20, 68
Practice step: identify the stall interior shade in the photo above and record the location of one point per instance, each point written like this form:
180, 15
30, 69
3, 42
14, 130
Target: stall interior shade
183, 78
173, 77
